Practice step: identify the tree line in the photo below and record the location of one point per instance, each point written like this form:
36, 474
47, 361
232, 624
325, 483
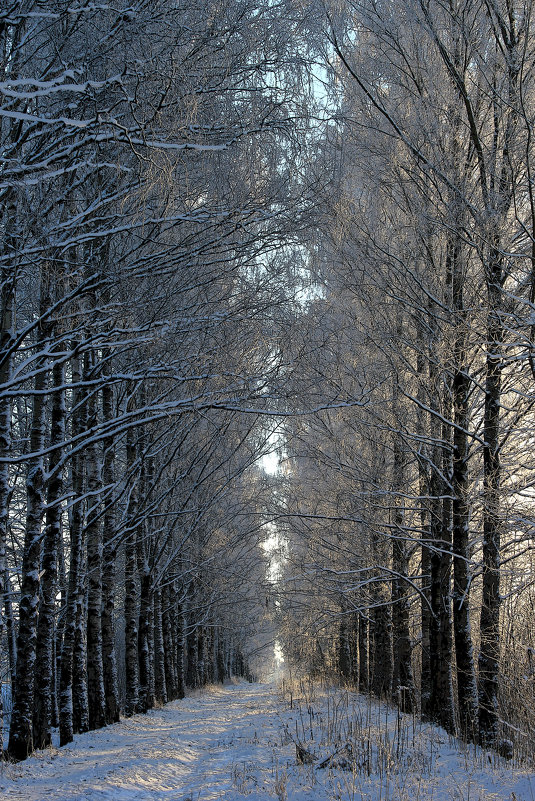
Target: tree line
141, 282
408, 518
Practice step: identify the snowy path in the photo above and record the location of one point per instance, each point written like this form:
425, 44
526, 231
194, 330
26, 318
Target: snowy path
196, 749
235, 743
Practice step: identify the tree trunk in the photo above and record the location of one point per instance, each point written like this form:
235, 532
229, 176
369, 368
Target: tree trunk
220, 658
466, 679
109, 558
74, 584
21, 729
60, 626
192, 653
354, 649
131, 586
425, 622
145, 700
441, 707
80, 706
201, 656
180, 650
364, 675
160, 689
402, 679
344, 658
11, 633
490, 603
425, 554
6, 338
381, 634
95, 664
440, 646
44, 670
145, 629
169, 645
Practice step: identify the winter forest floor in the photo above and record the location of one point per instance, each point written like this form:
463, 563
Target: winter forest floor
239, 741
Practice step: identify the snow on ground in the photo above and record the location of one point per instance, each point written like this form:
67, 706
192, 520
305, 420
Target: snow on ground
239, 742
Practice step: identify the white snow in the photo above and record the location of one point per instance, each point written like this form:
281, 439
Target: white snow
238, 741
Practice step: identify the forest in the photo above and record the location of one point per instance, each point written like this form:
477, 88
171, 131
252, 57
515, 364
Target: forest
267, 357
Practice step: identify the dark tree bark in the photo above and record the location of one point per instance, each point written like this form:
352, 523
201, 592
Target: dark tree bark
45, 691
75, 578
201, 656
131, 582
80, 706
180, 646
11, 632
441, 705
109, 559
425, 554
60, 625
221, 665
425, 622
363, 676
440, 645
21, 729
344, 652
210, 655
466, 679
7, 292
192, 650
160, 689
94, 538
169, 645
489, 654
354, 649
402, 674
12, 32
145, 700
381, 638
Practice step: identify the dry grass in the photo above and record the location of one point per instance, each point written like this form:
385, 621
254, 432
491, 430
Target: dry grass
364, 751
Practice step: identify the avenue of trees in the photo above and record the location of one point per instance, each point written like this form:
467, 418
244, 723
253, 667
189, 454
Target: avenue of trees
144, 199
228, 225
